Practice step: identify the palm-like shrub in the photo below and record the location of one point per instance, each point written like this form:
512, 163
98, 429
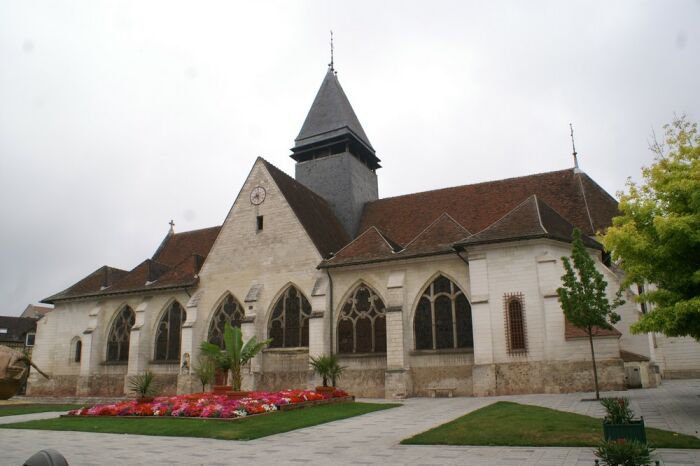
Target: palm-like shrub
618, 410
205, 371
328, 367
142, 384
622, 452
235, 354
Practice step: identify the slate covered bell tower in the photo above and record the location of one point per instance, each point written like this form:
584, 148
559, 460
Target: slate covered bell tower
334, 156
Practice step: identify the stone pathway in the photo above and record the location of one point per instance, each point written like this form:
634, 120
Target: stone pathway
369, 439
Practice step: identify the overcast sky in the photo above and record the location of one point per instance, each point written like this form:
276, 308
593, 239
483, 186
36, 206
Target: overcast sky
116, 117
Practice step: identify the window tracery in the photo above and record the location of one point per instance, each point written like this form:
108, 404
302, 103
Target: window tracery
362, 323
229, 311
443, 317
119, 334
289, 322
168, 334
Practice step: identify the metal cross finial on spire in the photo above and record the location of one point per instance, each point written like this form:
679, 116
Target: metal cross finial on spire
331, 63
172, 226
573, 145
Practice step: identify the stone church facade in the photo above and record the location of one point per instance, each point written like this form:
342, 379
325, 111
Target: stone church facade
446, 291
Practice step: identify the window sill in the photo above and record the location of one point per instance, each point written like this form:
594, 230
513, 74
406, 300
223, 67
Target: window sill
298, 349
428, 352
361, 355
115, 363
165, 363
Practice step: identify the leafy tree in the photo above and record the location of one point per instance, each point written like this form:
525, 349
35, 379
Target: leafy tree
235, 354
583, 297
657, 238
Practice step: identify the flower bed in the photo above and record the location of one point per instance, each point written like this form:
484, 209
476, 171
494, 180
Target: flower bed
209, 405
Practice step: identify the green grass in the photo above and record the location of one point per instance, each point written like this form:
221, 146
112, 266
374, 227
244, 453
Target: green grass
511, 424
241, 429
15, 410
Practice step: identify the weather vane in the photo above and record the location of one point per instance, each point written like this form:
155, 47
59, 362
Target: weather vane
331, 63
573, 145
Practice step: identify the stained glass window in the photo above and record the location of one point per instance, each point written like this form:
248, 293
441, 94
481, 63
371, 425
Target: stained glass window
229, 311
443, 318
118, 339
362, 323
168, 334
289, 323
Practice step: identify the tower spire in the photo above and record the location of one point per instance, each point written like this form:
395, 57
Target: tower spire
573, 145
330, 65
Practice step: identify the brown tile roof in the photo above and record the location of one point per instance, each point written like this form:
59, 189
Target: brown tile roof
36, 312
313, 212
17, 328
439, 236
178, 247
628, 356
175, 264
371, 244
92, 284
532, 218
572, 332
477, 206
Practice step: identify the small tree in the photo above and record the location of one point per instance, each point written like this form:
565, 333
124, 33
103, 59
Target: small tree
583, 297
205, 371
235, 354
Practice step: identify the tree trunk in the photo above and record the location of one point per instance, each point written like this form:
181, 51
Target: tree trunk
595, 370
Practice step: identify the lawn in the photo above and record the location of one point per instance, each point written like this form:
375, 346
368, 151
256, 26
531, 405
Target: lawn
247, 428
512, 424
15, 410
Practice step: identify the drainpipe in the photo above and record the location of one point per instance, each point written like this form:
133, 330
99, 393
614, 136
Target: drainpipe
330, 307
457, 251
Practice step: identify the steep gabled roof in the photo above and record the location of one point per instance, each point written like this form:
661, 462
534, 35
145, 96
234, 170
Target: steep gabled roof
146, 272
330, 115
313, 212
531, 219
370, 244
179, 246
438, 237
570, 193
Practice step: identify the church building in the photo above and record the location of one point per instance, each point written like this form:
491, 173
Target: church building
451, 291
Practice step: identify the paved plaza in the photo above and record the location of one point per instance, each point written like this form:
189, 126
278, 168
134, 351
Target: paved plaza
369, 439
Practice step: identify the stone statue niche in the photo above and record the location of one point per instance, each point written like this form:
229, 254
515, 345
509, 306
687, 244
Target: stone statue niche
14, 370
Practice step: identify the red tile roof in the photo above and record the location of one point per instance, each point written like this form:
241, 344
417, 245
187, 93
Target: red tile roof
369, 245
532, 218
477, 206
572, 332
178, 247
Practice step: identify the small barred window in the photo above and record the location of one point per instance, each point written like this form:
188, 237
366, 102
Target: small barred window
515, 323
168, 334
289, 323
119, 334
362, 323
229, 311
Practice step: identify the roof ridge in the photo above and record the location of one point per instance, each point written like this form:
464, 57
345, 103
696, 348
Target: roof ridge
510, 212
443, 214
357, 238
471, 184
539, 214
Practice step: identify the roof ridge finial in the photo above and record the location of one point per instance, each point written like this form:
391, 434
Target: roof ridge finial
172, 227
573, 145
330, 65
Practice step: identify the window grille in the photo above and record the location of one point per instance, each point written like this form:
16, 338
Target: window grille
443, 317
515, 323
289, 323
229, 311
118, 339
168, 334
362, 323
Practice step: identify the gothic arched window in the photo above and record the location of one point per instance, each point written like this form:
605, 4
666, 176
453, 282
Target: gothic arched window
515, 323
118, 339
229, 311
76, 346
443, 317
362, 323
289, 323
168, 333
